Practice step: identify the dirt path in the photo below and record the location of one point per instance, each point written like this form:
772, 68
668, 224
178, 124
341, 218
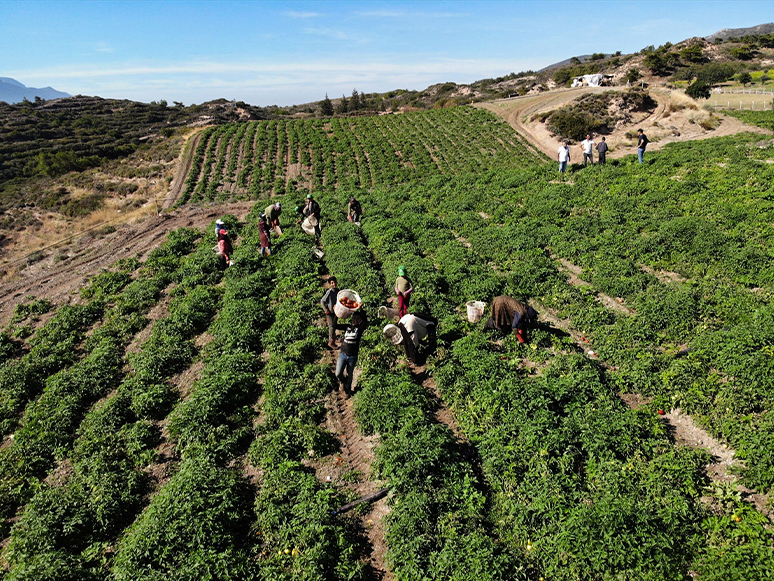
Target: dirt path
183, 169
662, 126
351, 468
60, 281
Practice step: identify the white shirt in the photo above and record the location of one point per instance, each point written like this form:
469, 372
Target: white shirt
416, 327
587, 145
564, 153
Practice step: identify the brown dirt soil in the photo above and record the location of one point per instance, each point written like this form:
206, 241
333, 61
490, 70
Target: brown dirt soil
159, 311
183, 169
60, 282
573, 271
60, 474
723, 463
165, 464
661, 126
350, 469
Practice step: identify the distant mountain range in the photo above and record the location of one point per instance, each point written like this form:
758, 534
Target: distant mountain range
740, 32
12, 91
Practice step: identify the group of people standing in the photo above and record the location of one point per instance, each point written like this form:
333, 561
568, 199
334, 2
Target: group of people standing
588, 146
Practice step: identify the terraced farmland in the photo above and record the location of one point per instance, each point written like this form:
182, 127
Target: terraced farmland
188, 424
248, 161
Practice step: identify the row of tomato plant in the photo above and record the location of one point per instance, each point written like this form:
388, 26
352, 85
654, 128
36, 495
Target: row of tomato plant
65, 528
559, 451
347, 152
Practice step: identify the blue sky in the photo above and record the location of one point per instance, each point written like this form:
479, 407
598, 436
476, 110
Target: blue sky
282, 53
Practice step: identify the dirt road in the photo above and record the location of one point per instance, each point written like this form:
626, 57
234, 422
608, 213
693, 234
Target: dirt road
662, 125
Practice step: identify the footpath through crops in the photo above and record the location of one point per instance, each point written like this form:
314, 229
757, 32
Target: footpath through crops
191, 444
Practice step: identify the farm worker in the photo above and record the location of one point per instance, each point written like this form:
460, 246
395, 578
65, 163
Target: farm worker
273, 212
328, 301
219, 225
300, 211
403, 288
642, 143
509, 315
224, 249
412, 329
264, 233
602, 150
355, 210
587, 146
312, 208
564, 156
350, 348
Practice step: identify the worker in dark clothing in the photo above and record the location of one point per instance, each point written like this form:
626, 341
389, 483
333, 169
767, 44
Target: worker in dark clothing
410, 331
264, 233
350, 349
403, 288
273, 212
328, 303
509, 315
224, 250
355, 210
312, 209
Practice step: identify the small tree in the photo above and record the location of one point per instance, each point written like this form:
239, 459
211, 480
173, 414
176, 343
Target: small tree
354, 103
698, 90
633, 76
343, 105
745, 78
326, 107
743, 53
765, 78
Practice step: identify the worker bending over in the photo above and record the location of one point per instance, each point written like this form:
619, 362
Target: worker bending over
312, 209
224, 250
273, 212
509, 315
410, 331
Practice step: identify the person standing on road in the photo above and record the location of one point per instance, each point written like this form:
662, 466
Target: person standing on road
564, 156
312, 209
403, 288
587, 146
602, 151
642, 143
328, 303
350, 349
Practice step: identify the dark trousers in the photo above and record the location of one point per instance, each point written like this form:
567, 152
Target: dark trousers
602, 157
332, 320
589, 157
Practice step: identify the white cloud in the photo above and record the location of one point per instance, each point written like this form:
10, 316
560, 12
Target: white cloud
298, 14
334, 33
405, 14
266, 82
104, 47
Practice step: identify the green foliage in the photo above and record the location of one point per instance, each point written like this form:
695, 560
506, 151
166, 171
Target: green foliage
698, 90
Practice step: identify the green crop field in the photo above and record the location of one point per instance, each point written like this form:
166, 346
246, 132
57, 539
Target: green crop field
537, 469
249, 161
